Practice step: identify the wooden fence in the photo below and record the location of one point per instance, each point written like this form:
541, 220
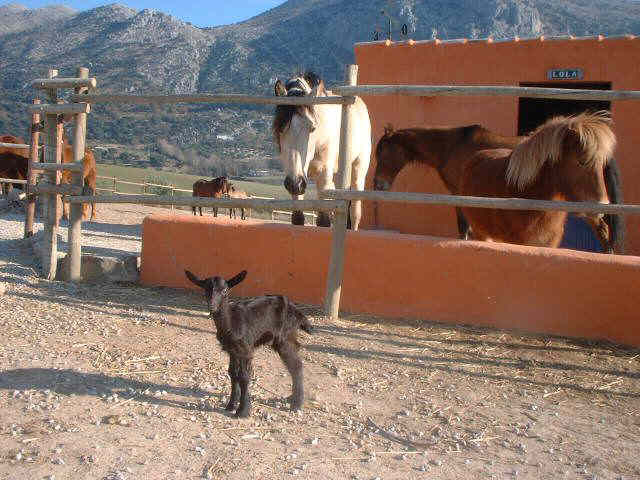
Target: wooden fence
332, 201
146, 186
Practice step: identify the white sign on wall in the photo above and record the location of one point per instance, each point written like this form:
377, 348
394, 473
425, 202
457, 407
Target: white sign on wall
565, 74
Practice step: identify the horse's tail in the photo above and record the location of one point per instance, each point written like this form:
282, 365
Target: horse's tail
616, 223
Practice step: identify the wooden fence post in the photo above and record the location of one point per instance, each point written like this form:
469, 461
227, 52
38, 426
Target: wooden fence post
51, 148
336, 260
115, 185
30, 213
75, 215
173, 193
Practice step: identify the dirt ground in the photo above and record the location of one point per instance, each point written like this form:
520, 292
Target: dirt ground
124, 382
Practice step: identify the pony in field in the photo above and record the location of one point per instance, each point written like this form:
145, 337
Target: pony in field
308, 138
234, 193
14, 162
564, 159
216, 188
89, 176
447, 149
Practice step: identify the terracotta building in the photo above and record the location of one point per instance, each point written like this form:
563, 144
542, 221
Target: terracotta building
588, 63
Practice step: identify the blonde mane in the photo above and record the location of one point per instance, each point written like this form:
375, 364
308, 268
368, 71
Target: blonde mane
545, 144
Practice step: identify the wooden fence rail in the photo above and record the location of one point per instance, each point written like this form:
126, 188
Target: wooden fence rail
255, 203
212, 98
482, 90
480, 202
13, 180
21, 146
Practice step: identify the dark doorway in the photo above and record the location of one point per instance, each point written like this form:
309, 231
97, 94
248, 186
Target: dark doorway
533, 112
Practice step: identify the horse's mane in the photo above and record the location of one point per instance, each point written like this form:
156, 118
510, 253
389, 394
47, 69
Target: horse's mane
545, 144
284, 113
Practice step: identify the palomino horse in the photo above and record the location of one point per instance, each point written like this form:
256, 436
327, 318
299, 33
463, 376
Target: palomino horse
233, 193
216, 188
563, 159
14, 162
308, 138
447, 149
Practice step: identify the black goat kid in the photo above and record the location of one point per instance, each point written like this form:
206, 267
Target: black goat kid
244, 325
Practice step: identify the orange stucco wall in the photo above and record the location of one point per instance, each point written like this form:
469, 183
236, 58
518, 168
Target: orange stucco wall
485, 63
506, 286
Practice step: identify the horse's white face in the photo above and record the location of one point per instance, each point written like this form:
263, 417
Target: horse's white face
298, 145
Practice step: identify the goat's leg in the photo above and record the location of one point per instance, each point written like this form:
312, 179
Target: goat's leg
245, 369
234, 375
288, 352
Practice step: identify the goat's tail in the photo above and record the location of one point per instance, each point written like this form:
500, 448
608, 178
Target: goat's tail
303, 321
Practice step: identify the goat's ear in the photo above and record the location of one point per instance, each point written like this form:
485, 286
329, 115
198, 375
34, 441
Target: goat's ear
232, 282
195, 280
279, 89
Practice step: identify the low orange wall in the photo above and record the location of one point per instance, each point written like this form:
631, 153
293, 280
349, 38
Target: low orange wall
464, 282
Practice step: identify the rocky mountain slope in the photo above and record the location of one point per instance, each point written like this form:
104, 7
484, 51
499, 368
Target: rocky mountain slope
151, 52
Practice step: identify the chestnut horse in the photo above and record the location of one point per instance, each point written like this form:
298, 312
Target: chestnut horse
448, 148
14, 162
89, 175
216, 188
308, 138
563, 159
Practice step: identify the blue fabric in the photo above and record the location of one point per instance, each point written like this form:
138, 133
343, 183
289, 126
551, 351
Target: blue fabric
579, 236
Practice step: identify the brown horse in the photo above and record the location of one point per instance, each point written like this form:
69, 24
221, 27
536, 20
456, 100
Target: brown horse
444, 148
448, 148
14, 162
89, 175
216, 188
233, 193
563, 159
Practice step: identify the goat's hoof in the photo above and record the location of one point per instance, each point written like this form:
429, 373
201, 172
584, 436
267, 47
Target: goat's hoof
296, 404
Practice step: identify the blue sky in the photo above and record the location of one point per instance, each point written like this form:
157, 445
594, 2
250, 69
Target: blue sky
203, 13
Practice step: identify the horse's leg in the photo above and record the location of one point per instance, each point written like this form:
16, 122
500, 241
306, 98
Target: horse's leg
215, 211
464, 229
601, 229
297, 216
357, 183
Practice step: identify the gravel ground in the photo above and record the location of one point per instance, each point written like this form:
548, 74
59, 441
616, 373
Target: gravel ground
125, 382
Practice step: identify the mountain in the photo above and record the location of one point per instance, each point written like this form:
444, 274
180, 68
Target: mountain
151, 52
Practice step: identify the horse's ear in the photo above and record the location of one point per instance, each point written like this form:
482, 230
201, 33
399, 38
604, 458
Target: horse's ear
280, 89
232, 282
388, 129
